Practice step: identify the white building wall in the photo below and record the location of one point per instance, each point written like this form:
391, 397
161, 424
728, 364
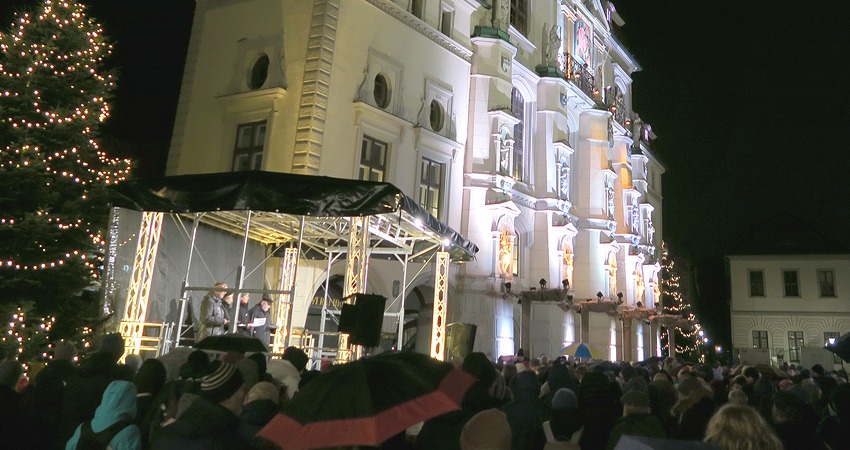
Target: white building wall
565, 128
778, 314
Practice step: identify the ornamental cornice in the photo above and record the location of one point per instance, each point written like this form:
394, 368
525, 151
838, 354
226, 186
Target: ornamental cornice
423, 28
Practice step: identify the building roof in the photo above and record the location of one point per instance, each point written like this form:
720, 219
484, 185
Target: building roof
786, 234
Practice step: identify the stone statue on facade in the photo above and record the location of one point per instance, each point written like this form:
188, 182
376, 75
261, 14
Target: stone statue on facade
551, 45
505, 144
502, 14
563, 178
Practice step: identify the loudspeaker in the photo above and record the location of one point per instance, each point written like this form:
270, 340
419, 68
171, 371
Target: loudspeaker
347, 318
460, 338
370, 317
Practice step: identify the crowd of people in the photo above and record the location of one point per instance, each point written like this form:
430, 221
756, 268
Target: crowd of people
221, 401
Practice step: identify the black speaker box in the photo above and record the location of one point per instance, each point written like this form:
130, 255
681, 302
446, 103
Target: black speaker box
347, 318
370, 317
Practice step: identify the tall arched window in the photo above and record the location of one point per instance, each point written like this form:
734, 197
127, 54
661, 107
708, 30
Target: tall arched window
518, 110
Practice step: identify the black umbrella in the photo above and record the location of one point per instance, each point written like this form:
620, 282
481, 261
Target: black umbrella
368, 401
231, 343
841, 347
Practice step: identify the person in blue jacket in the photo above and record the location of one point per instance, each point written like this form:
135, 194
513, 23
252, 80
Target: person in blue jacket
118, 405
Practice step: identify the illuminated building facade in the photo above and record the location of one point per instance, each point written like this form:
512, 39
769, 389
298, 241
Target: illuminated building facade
509, 120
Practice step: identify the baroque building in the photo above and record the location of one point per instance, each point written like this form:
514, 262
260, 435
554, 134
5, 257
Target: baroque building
509, 120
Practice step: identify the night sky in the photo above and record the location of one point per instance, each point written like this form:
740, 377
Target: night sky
748, 99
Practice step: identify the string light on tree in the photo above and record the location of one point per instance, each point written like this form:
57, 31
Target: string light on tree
674, 303
55, 92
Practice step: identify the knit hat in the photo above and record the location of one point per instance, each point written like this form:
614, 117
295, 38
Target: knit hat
487, 430
636, 398
250, 374
223, 382
564, 399
64, 350
688, 386
113, 344
297, 357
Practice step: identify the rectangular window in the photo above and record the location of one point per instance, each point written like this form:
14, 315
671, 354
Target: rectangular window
519, 15
248, 151
373, 159
431, 175
416, 7
829, 337
756, 283
791, 282
518, 152
795, 343
446, 19
826, 283
760, 339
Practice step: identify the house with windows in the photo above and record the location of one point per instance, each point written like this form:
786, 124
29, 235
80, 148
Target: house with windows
790, 291
509, 120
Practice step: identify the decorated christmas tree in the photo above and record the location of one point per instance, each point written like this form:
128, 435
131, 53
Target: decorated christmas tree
54, 92
675, 303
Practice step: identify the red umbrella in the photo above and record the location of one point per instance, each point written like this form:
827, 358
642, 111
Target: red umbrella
368, 401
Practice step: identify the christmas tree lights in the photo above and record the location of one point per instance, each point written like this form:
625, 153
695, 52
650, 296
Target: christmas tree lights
55, 92
674, 303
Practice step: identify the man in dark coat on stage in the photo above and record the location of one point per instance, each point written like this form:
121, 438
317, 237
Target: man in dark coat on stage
260, 321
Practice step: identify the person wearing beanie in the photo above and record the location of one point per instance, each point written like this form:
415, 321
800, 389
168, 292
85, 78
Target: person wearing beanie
261, 405
564, 420
150, 378
487, 430
114, 419
261, 313
64, 350
636, 420
86, 386
210, 421
212, 319
692, 410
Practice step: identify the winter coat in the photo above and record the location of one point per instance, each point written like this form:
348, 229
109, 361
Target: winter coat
254, 416
526, 413
243, 319
203, 426
694, 413
119, 403
44, 416
86, 387
263, 332
637, 424
212, 317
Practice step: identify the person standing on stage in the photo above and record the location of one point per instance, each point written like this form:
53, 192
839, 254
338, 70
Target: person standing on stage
213, 320
260, 321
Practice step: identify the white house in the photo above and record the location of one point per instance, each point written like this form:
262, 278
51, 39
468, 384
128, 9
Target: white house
790, 293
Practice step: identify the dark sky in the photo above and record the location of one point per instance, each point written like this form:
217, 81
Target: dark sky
748, 100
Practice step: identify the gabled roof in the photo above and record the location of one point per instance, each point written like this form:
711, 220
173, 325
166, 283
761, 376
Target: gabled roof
786, 234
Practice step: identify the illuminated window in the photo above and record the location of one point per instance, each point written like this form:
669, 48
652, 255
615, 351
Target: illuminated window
515, 249
756, 283
518, 110
826, 283
791, 282
431, 176
248, 152
373, 159
760, 339
519, 15
795, 343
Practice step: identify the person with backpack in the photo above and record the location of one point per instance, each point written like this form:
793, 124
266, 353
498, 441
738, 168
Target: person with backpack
112, 426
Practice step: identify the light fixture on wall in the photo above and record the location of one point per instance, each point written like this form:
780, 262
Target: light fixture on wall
619, 298
565, 284
542, 283
599, 296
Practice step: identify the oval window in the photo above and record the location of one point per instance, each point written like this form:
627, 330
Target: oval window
436, 117
381, 91
259, 72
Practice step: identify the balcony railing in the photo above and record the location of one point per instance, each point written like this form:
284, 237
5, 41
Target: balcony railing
578, 73
617, 105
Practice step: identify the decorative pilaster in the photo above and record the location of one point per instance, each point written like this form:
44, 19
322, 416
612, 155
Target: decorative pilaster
315, 89
284, 303
438, 324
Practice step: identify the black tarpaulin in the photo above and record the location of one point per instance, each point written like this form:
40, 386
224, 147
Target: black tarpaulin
284, 193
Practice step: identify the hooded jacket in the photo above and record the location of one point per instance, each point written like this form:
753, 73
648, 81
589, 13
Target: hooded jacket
204, 425
119, 403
